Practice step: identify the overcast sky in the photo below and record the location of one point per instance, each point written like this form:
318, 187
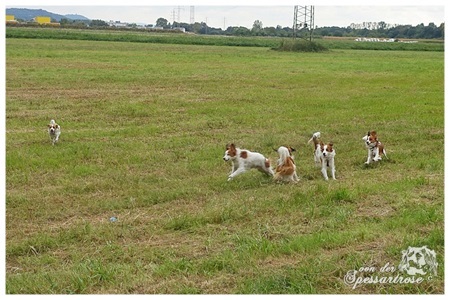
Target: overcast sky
222, 14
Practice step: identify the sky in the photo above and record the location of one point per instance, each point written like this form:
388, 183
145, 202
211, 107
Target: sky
270, 13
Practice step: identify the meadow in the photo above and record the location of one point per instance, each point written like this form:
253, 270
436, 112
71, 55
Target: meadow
144, 129
161, 37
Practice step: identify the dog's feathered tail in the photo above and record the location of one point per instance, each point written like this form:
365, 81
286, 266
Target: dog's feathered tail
315, 135
283, 152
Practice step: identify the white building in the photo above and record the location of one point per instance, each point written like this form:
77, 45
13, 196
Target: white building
117, 24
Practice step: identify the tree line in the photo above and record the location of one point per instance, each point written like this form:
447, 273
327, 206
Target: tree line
381, 30
375, 30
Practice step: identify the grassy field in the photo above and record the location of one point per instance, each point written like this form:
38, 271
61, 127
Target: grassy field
144, 129
141, 36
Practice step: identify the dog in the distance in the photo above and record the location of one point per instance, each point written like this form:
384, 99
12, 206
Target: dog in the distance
243, 160
324, 155
286, 169
328, 160
54, 131
374, 147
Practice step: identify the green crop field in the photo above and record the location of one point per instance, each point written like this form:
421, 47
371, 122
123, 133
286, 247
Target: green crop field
144, 129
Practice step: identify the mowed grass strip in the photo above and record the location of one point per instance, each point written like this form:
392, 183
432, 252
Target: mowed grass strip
144, 129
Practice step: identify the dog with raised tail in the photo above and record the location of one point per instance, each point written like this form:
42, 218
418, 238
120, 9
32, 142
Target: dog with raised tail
243, 160
323, 155
54, 131
317, 146
286, 170
374, 147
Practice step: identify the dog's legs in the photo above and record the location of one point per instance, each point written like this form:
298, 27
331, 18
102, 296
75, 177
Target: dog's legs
235, 173
369, 157
265, 168
333, 169
316, 161
324, 169
267, 171
377, 154
234, 167
317, 156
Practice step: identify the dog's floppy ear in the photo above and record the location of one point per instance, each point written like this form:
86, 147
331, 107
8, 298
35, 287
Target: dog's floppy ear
231, 146
292, 149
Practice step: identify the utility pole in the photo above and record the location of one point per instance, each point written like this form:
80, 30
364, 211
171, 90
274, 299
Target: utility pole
303, 22
192, 18
173, 17
179, 13
176, 15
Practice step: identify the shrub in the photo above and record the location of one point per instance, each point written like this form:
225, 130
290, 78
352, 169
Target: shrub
300, 46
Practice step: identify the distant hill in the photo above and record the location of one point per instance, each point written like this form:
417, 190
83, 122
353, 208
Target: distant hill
76, 17
28, 14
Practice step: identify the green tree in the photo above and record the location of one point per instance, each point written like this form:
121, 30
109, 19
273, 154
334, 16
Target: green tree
98, 23
196, 27
242, 31
64, 21
257, 27
161, 22
271, 31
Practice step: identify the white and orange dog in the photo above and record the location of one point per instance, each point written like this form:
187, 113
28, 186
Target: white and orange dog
317, 153
374, 147
324, 155
54, 131
243, 160
328, 160
286, 169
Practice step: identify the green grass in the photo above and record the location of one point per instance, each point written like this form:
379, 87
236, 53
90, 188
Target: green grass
142, 36
144, 127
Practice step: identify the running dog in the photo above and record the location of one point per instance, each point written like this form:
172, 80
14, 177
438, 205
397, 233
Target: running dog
374, 147
54, 130
243, 160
